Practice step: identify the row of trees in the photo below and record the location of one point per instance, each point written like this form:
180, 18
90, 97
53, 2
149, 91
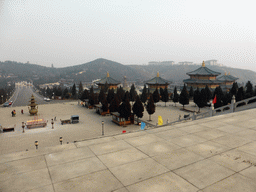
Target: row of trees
202, 97
111, 100
64, 93
119, 101
6, 93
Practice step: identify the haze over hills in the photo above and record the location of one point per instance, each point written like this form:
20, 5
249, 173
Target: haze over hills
97, 69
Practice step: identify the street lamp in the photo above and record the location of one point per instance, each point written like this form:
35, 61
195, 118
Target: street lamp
53, 95
36, 144
2, 99
102, 127
61, 140
23, 126
52, 123
7, 97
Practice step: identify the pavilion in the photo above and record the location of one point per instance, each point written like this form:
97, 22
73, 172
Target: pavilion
157, 83
109, 82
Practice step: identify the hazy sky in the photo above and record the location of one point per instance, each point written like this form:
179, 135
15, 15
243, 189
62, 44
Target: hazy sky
71, 32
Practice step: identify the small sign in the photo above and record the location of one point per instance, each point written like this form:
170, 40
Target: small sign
142, 126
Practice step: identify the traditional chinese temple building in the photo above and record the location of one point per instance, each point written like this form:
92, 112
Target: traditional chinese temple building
227, 81
157, 82
110, 82
204, 76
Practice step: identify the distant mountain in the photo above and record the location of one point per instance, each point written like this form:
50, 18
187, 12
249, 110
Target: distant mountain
177, 73
98, 69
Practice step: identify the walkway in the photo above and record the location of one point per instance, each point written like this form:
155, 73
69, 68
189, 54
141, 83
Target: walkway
211, 154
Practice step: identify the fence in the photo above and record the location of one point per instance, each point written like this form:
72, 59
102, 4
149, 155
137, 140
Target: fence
231, 108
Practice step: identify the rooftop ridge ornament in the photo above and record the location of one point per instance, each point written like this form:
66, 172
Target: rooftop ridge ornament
157, 75
203, 64
107, 74
225, 73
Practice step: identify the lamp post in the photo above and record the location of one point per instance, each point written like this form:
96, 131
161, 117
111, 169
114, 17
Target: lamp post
7, 96
36, 144
53, 95
61, 140
23, 127
102, 127
52, 123
2, 99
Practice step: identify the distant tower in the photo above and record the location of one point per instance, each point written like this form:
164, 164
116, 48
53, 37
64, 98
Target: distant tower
125, 82
52, 66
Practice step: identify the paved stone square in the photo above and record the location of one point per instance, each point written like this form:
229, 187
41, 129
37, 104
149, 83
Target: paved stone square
189, 156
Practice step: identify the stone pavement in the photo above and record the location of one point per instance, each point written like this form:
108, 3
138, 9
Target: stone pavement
89, 126
211, 154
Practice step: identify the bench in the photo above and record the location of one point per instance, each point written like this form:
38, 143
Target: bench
8, 129
66, 121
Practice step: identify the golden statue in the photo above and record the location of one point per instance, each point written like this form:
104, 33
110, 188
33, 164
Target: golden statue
33, 106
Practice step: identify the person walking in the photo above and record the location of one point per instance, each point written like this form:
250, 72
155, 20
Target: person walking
21, 111
12, 114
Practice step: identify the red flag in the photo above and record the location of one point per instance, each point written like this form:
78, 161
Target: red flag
214, 100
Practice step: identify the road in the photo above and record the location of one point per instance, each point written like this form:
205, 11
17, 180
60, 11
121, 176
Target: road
22, 96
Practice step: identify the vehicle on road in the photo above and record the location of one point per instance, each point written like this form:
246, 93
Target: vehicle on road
47, 99
10, 102
6, 104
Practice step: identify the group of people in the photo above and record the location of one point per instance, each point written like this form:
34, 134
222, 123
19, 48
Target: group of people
14, 112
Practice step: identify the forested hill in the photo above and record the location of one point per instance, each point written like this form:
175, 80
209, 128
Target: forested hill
98, 69
177, 73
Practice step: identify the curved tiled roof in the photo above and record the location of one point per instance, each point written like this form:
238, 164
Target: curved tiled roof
204, 71
157, 80
227, 78
202, 81
108, 80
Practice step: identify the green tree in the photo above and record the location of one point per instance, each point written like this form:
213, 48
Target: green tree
219, 95
80, 90
191, 92
234, 89
175, 98
208, 93
249, 90
202, 101
156, 96
85, 95
240, 94
120, 93
150, 107
101, 95
57, 91
126, 96
226, 98
138, 108
165, 96
91, 97
114, 104
133, 93
144, 95
161, 93
184, 97
125, 109
65, 94
196, 96
104, 103
73, 91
